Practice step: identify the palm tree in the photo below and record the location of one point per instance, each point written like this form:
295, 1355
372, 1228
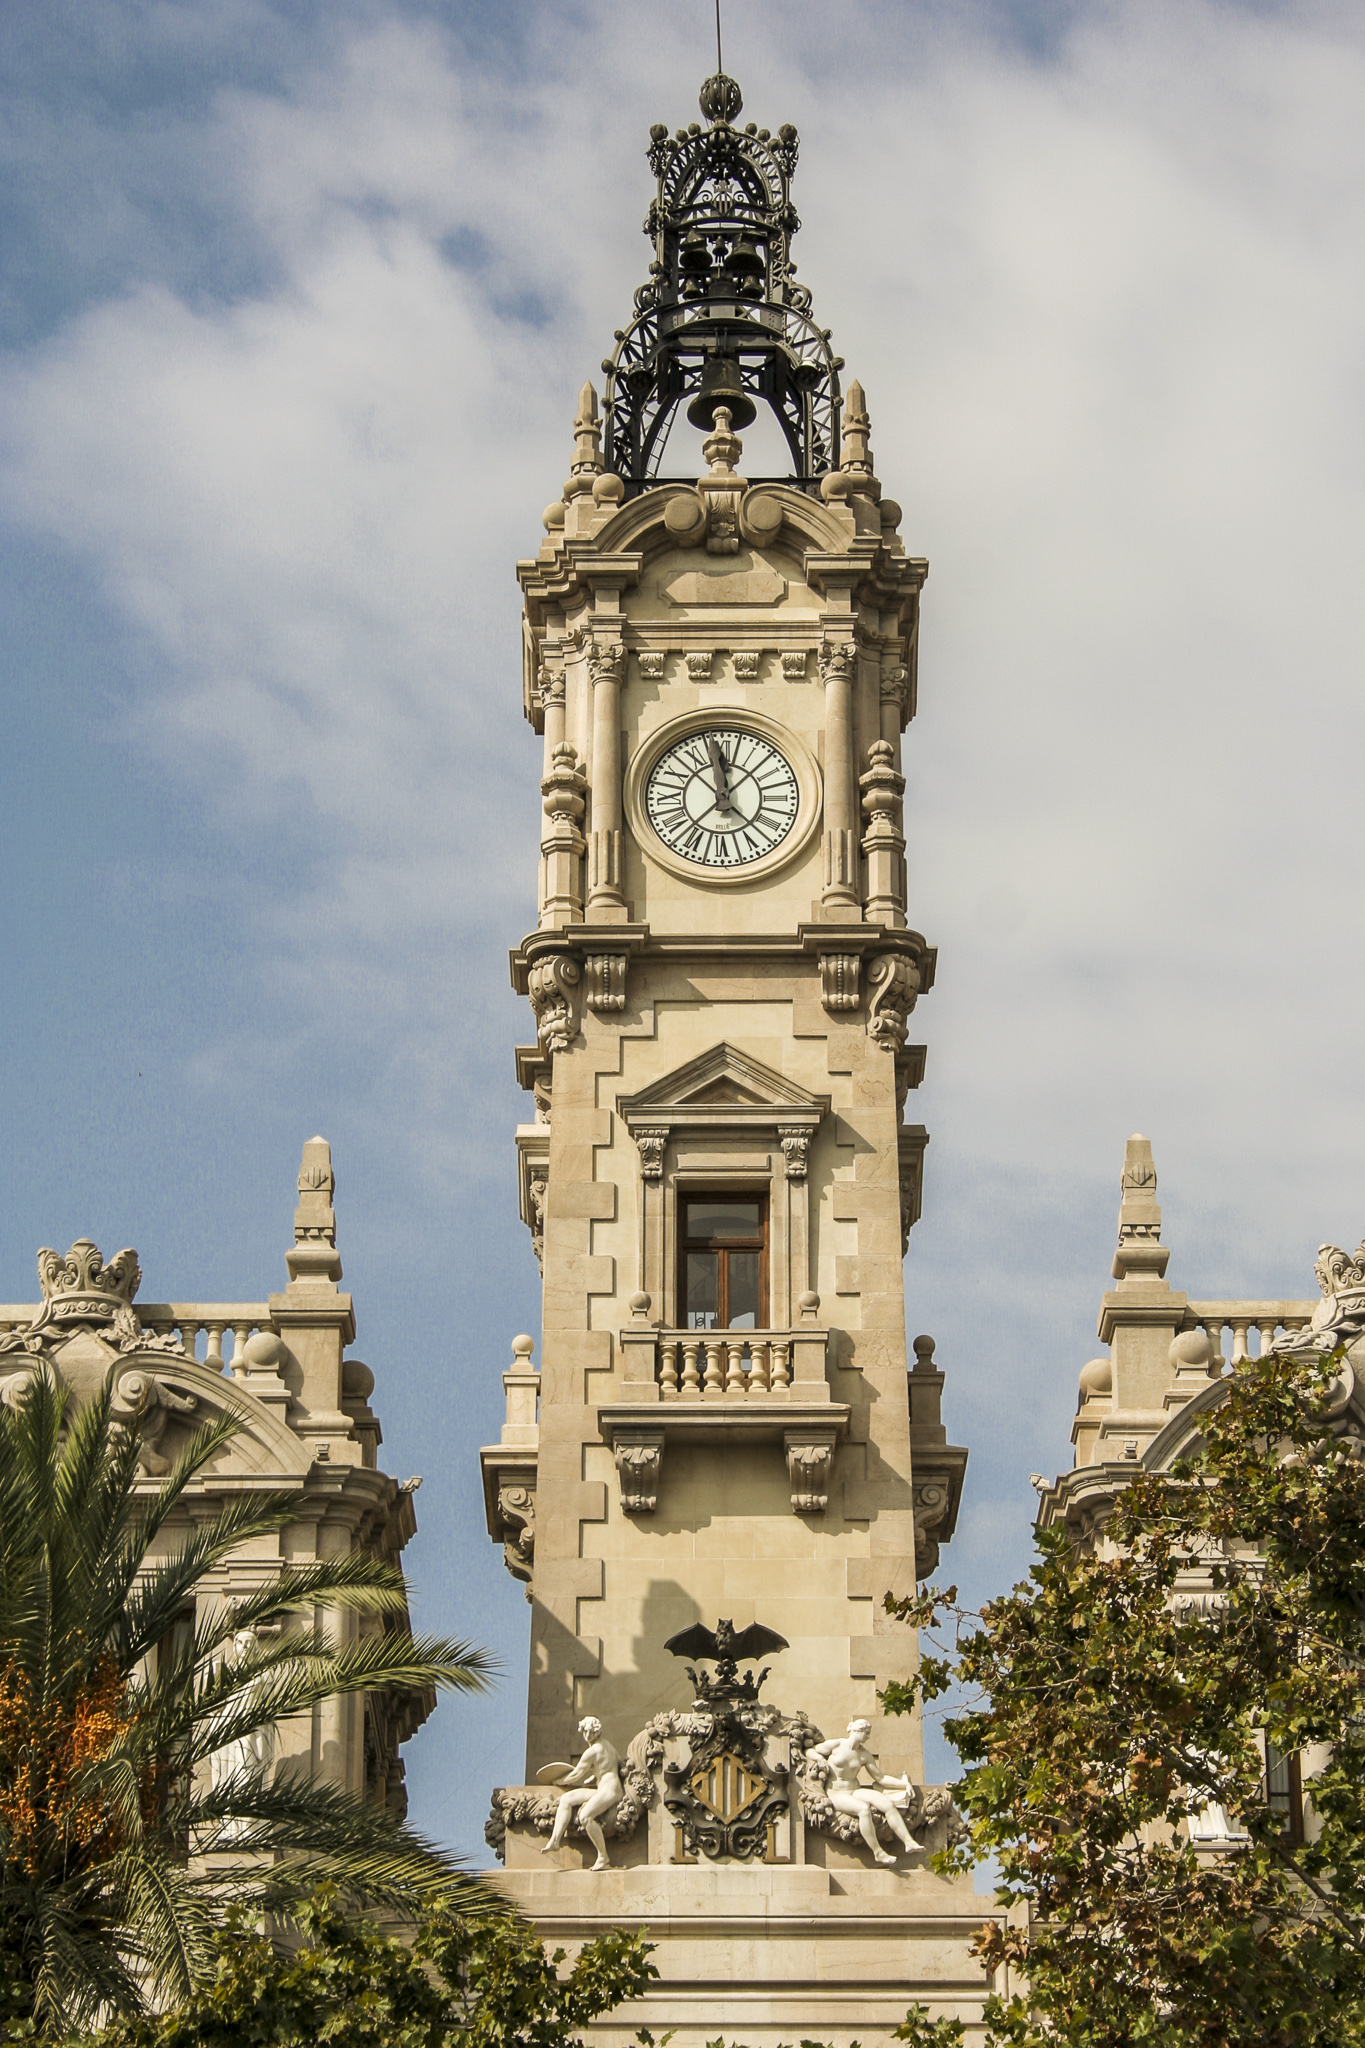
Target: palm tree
122, 1848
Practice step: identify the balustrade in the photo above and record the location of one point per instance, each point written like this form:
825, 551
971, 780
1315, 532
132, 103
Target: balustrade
1267, 1318
736, 1365
212, 1320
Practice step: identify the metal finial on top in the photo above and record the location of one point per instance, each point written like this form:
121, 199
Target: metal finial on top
720, 98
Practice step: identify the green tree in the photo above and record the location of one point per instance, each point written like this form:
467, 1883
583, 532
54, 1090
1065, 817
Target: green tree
1106, 1711
470, 1983
118, 1857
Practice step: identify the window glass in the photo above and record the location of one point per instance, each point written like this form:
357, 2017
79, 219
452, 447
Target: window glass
744, 1290
724, 1217
703, 1291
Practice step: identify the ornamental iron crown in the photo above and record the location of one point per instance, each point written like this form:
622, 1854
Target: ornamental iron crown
721, 319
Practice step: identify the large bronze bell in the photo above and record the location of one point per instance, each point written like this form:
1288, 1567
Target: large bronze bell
720, 386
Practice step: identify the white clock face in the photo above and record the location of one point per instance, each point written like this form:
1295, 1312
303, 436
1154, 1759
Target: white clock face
722, 797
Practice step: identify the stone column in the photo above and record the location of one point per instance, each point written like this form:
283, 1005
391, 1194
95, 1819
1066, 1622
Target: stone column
606, 666
884, 843
840, 893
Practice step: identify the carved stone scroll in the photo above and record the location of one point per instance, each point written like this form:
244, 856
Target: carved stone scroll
517, 1523
639, 1458
795, 1142
699, 664
931, 1502
652, 1144
552, 986
893, 987
652, 666
746, 665
794, 664
606, 990
839, 981
810, 1460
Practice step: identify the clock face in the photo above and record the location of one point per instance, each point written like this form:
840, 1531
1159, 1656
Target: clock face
722, 797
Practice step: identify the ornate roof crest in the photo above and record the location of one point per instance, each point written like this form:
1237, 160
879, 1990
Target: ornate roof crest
721, 320
82, 1288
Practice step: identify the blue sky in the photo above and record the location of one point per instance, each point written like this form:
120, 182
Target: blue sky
293, 307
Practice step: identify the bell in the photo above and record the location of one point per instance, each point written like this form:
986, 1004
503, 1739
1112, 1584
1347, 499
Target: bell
720, 386
744, 259
694, 257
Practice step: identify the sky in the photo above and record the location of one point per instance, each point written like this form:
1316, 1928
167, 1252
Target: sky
295, 300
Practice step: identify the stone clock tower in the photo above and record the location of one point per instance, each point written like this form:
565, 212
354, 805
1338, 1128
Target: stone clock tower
722, 1454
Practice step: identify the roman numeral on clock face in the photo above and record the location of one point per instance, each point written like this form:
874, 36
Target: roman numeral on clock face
722, 798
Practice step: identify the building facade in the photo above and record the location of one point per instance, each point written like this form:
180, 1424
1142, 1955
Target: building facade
723, 1452
305, 1430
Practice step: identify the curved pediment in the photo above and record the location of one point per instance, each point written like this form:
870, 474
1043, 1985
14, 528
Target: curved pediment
175, 1395
805, 522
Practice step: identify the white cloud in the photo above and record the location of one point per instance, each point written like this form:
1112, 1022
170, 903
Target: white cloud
1108, 306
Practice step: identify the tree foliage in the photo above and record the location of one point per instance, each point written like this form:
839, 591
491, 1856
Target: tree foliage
118, 1855
458, 1983
1108, 1709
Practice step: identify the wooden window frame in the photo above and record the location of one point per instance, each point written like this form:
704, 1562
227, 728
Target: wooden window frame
1293, 1812
758, 1243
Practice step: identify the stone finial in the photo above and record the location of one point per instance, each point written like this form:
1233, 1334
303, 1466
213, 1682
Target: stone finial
315, 1220
1140, 1254
855, 475
314, 1253
587, 444
721, 448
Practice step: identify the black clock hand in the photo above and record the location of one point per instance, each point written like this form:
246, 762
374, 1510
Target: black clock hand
718, 775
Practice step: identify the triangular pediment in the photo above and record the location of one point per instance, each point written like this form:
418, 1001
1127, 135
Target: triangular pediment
729, 1084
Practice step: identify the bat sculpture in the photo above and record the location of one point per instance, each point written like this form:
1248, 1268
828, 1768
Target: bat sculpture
726, 1646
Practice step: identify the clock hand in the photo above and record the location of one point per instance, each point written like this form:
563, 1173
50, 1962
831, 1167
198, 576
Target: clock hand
718, 775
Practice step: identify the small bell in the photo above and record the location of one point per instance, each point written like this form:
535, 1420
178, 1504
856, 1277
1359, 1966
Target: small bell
720, 386
744, 260
694, 258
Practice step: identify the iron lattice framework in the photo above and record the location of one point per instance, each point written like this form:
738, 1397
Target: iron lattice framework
722, 310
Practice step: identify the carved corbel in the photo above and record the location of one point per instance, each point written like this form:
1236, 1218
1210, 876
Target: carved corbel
931, 1499
537, 1188
745, 662
517, 1526
839, 981
810, 1460
794, 664
699, 664
893, 986
795, 1142
606, 988
639, 1455
652, 1144
552, 985
652, 666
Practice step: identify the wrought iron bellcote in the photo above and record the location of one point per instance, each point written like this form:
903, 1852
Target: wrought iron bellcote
721, 320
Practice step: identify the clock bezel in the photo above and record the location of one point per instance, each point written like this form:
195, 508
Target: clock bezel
711, 718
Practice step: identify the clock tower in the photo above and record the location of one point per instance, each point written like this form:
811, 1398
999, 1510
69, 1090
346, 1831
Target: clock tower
722, 1453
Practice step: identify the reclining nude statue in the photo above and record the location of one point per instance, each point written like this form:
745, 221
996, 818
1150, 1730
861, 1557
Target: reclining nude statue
598, 1775
845, 1759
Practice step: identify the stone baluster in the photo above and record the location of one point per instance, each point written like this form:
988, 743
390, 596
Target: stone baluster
1240, 1326
213, 1349
691, 1379
1213, 1327
668, 1366
1267, 1327
715, 1380
759, 1371
189, 1336
240, 1333
734, 1368
782, 1362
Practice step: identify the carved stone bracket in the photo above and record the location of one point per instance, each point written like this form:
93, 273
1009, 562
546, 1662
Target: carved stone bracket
893, 984
552, 985
606, 988
795, 1143
537, 1188
839, 981
810, 1460
639, 1455
932, 1500
794, 664
652, 1143
517, 1524
699, 664
652, 666
745, 662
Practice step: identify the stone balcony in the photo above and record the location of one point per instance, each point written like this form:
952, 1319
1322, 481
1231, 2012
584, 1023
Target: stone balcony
724, 1388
